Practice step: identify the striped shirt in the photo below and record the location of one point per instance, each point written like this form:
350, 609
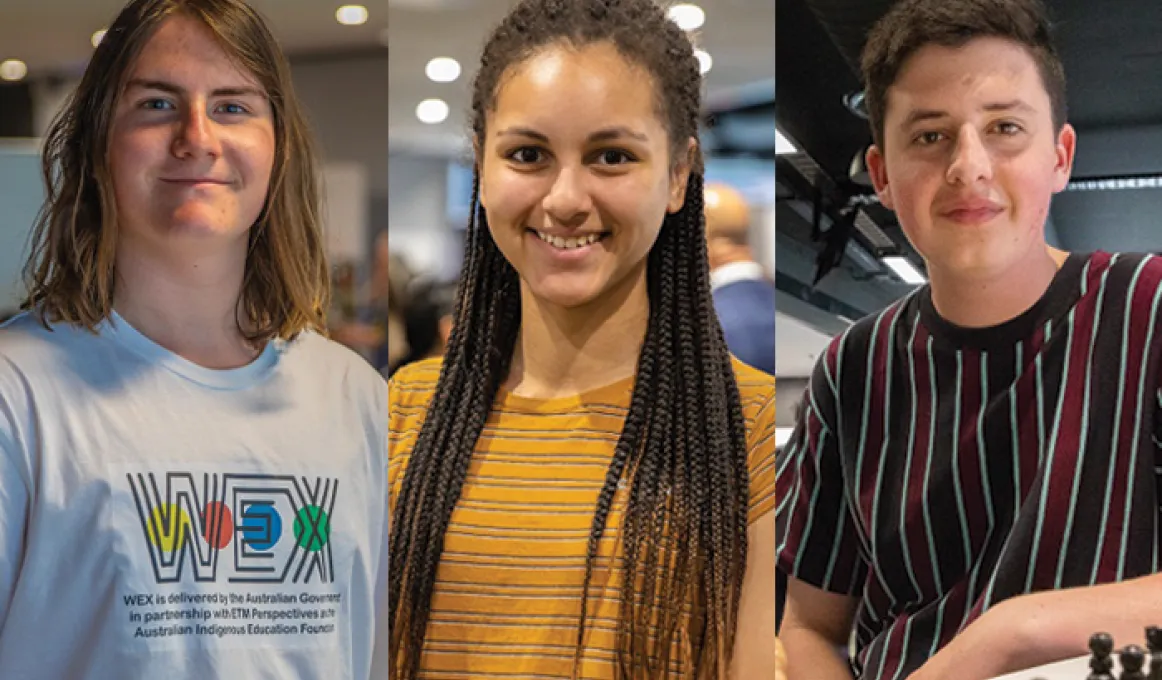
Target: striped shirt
508, 588
937, 470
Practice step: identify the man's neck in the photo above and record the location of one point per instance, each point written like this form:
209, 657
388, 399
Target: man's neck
186, 304
986, 301
562, 352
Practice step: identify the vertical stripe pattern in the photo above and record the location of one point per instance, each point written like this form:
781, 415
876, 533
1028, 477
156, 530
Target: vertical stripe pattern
937, 470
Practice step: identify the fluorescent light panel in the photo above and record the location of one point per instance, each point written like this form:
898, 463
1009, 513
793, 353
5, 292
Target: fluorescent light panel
905, 270
783, 145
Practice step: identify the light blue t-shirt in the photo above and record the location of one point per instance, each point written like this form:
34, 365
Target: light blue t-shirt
160, 520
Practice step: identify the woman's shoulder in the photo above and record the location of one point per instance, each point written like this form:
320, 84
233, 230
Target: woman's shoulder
414, 384
419, 375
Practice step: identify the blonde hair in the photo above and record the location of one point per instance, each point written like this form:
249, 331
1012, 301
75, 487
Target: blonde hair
70, 272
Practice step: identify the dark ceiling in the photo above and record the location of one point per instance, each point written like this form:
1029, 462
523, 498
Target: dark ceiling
1112, 53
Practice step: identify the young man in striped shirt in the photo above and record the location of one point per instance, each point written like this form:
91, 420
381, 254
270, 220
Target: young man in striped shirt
973, 487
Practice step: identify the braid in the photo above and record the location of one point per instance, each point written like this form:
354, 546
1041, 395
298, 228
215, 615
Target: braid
681, 451
478, 356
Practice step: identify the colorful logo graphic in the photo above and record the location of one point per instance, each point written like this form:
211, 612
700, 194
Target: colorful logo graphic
272, 528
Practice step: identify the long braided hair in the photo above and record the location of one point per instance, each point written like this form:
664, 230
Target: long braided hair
682, 448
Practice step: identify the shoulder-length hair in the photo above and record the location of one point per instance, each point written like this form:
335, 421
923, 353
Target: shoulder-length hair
70, 272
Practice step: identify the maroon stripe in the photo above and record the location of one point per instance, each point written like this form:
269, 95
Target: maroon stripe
916, 538
803, 476
1062, 472
1141, 301
894, 646
972, 487
1027, 413
874, 441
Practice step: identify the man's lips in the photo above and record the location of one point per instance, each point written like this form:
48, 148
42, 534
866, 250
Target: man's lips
194, 181
973, 212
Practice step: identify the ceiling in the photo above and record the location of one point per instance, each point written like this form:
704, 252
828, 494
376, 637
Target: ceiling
738, 34
1113, 65
53, 36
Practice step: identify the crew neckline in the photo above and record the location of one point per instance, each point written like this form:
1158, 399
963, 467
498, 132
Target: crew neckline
122, 332
612, 394
1062, 293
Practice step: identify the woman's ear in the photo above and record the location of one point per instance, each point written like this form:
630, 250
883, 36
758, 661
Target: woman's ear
680, 176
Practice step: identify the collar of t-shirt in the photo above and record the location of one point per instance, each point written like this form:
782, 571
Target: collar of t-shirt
1063, 291
117, 329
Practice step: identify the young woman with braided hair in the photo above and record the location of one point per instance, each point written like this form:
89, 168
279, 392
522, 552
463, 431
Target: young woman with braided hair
583, 486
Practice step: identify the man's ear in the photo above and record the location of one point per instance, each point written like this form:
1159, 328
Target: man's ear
1065, 148
877, 169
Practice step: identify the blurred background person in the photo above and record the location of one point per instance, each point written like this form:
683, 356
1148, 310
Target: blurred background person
427, 322
744, 296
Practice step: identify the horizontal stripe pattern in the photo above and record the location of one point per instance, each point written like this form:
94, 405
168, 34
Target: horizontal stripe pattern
937, 471
508, 587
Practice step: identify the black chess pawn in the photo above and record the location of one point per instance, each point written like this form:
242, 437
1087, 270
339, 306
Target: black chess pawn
1133, 658
1101, 661
1154, 645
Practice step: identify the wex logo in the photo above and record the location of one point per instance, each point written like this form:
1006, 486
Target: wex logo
248, 528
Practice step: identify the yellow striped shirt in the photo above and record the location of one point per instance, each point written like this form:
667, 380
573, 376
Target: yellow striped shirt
508, 587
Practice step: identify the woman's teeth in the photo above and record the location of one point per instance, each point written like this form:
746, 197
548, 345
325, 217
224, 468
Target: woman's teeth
569, 243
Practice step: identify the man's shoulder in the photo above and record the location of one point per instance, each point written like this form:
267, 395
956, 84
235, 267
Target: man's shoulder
326, 364
29, 343
859, 336
1141, 271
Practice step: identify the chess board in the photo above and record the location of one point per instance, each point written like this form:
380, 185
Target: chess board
1105, 662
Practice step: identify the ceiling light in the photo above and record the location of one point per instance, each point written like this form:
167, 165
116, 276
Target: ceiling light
704, 61
1116, 183
783, 145
351, 15
13, 70
432, 111
98, 37
905, 270
443, 69
688, 17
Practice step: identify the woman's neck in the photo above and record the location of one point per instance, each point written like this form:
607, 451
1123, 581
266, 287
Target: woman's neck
561, 352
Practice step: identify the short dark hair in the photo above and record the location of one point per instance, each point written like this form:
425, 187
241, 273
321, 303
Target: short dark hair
912, 24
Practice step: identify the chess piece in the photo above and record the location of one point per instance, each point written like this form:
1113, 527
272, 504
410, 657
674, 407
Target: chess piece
1101, 662
1133, 658
1154, 645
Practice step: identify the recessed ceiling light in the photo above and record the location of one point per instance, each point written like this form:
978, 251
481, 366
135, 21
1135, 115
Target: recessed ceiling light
443, 69
351, 15
13, 70
98, 37
688, 16
704, 61
432, 111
